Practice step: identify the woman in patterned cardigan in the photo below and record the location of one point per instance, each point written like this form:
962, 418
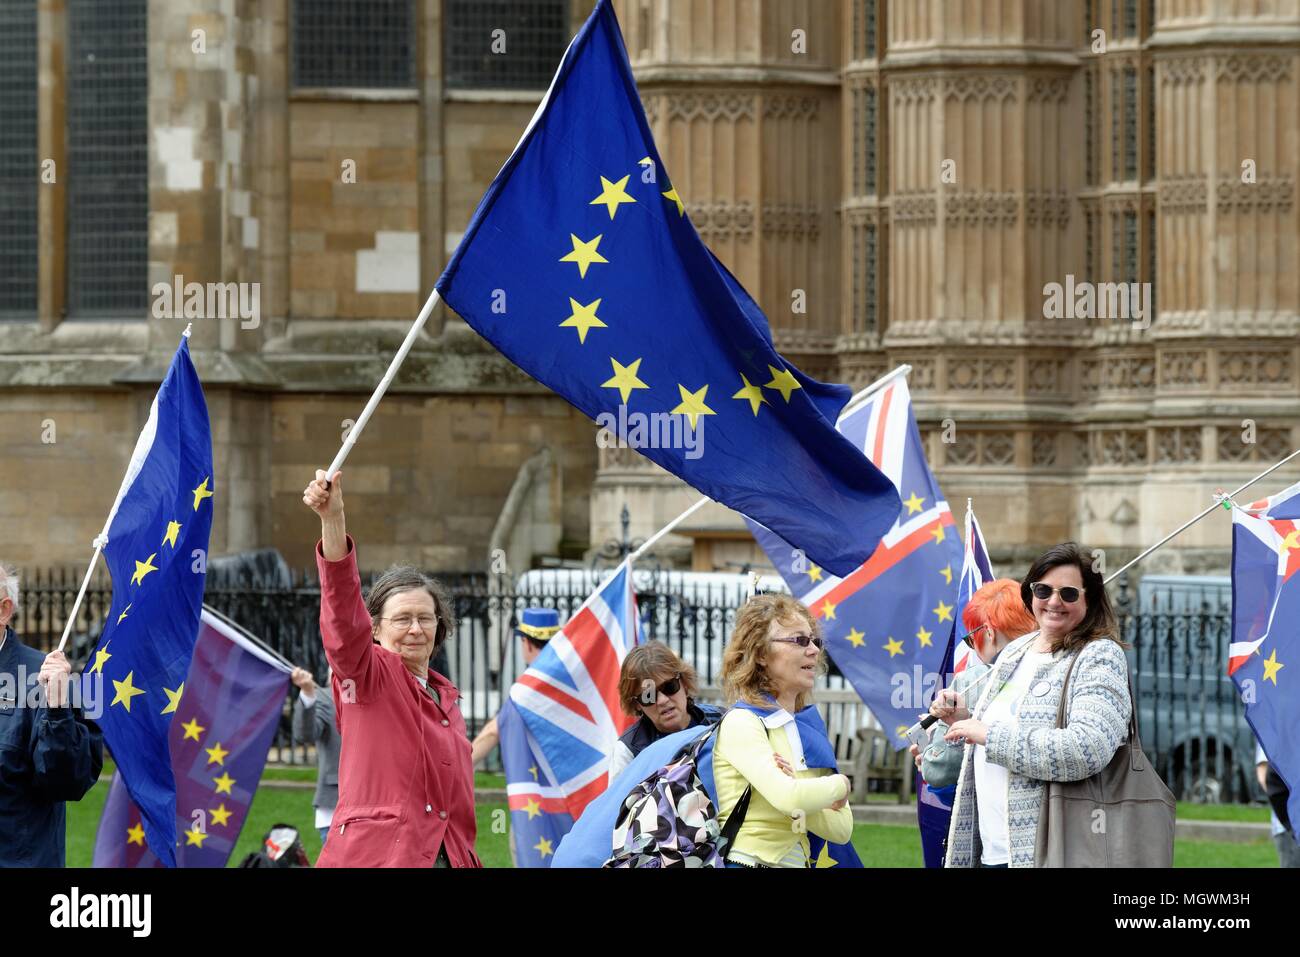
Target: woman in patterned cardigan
1013, 747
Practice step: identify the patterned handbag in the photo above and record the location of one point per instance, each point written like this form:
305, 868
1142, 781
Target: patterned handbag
669, 820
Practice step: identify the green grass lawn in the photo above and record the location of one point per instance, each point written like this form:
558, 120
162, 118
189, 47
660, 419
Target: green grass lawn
879, 845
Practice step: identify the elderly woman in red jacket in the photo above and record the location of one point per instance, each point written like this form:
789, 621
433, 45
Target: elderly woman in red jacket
406, 787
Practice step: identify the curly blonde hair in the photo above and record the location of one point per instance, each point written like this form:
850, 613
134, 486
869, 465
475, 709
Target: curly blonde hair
744, 676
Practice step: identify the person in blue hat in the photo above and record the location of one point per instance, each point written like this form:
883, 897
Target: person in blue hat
536, 627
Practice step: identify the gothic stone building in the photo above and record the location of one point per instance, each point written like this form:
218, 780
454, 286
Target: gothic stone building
896, 181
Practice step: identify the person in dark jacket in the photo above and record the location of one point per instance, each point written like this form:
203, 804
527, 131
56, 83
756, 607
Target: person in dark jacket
49, 752
659, 688
313, 723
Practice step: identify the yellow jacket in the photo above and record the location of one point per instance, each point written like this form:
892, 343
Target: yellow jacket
771, 830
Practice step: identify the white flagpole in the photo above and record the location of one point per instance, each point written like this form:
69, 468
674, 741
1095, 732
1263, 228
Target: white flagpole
100, 541
1218, 500
355, 432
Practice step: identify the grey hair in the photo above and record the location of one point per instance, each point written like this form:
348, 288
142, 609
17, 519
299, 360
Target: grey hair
9, 583
402, 578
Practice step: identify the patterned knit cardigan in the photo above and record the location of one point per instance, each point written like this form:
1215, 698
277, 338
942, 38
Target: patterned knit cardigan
1034, 750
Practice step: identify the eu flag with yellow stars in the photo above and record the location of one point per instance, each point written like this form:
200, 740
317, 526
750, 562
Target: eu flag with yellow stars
581, 265
157, 555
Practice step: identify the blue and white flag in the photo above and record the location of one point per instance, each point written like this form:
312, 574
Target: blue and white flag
975, 572
568, 701
582, 266
1265, 638
887, 624
157, 554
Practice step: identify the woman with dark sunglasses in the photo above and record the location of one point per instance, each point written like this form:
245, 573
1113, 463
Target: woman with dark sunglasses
659, 689
1012, 744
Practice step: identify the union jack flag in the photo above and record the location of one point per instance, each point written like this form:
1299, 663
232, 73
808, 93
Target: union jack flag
975, 572
1265, 640
887, 623
568, 701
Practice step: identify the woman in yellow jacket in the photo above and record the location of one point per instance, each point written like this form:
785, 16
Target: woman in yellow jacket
774, 742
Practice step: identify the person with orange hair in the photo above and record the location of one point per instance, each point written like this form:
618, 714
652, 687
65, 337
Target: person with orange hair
994, 617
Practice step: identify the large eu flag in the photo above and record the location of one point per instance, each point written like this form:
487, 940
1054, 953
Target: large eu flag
1265, 639
157, 555
887, 623
219, 740
582, 266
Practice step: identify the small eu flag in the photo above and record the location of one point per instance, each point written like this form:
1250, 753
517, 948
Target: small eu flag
582, 266
157, 555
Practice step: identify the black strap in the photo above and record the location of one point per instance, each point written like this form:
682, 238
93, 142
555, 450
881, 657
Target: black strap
737, 818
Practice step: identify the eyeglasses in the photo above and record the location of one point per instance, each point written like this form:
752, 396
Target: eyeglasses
803, 640
667, 689
404, 621
1042, 591
969, 637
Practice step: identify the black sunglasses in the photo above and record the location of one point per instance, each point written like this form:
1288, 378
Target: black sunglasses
969, 637
803, 640
1042, 591
668, 688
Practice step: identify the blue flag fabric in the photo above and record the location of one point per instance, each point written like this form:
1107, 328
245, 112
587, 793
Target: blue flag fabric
976, 570
589, 842
582, 267
539, 816
157, 555
887, 624
235, 693
1265, 640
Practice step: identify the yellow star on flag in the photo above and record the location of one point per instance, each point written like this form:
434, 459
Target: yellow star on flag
194, 837
856, 637
584, 254
173, 529
1271, 667
224, 783
624, 378
914, 503
533, 808
828, 610
815, 573
944, 611
672, 197
533, 772
201, 493
613, 195
173, 699
102, 656
126, 691
692, 405
1291, 541
751, 393
135, 834
937, 532
543, 847
894, 647
221, 814
124, 611
217, 754
783, 381
824, 859
143, 568
923, 637
584, 318
193, 729
946, 572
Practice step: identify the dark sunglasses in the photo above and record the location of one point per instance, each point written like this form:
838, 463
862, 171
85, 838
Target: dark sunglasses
969, 637
1042, 591
668, 688
803, 640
